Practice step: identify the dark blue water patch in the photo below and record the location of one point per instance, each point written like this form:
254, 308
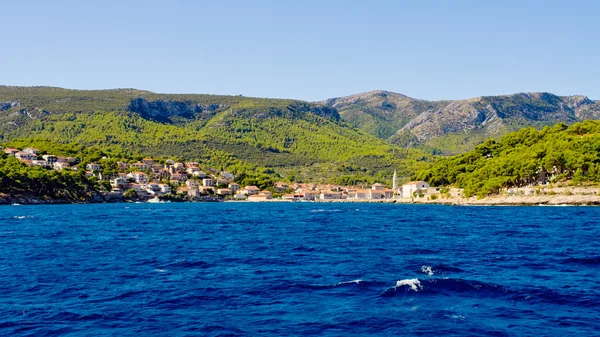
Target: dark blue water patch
298, 269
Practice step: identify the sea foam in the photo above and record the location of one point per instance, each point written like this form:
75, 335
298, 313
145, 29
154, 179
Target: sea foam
414, 284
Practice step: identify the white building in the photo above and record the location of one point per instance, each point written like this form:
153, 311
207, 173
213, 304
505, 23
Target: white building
409, 189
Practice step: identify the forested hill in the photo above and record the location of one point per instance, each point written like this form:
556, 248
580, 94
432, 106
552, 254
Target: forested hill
564, 152
294, 138
456, 126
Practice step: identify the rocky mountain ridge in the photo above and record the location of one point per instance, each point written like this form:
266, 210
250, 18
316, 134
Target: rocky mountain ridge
408, 121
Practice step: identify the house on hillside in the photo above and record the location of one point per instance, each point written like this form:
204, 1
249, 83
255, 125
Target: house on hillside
50, 159
32, 150
281, 186
224, 191
11, 151
59, 166
93, 167
139, 177
22, 155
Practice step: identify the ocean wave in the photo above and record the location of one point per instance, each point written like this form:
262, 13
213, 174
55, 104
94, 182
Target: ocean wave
480, 289
21, 217
323, 210
444, 285
348, 283
413, 284
439, 269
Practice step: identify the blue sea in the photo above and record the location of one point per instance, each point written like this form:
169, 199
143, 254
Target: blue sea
290, 269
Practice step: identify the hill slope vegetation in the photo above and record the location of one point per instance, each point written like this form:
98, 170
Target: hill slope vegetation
452, 127
299, 139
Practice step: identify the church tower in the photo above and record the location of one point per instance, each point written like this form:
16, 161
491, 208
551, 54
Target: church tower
395, 182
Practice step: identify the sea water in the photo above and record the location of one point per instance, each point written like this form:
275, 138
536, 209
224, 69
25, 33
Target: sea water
277, 269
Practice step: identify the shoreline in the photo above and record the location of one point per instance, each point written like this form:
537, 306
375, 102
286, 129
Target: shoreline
559, 196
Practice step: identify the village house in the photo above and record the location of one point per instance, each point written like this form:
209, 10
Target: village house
11, 151
207, 182
118, 182
59, 166
192, 164
191, 184
412, 187
22, 155
169, 162
310, 195
178, 177
148, 161
178, 166
234, 186
377, 187
227, 175
50, 159
281, 186
93, 167
250, 190
139, 189
140, 166
41, 163
260, 197
61, 159
165, 188
363, 194
330, 195
139, 177
192, 170
32, 151
292, 197
222, 182
163, 173
206, 189
71, 160
224, 191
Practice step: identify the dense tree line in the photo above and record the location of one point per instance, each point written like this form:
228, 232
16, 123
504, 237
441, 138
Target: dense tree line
18, 179
518, 158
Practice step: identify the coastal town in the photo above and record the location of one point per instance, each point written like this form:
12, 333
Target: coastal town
150, 179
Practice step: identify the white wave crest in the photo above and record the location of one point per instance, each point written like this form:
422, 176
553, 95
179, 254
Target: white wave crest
427, 270
349, 282
21, 217
413, 283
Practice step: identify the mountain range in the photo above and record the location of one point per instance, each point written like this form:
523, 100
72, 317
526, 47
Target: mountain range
363, 137
455, 126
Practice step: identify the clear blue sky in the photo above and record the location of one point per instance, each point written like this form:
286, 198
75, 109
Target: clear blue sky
306, 49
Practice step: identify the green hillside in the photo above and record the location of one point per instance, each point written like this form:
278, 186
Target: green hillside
564, 152
300, 140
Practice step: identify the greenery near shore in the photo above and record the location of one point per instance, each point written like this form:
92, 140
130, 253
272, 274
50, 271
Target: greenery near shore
518, 158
